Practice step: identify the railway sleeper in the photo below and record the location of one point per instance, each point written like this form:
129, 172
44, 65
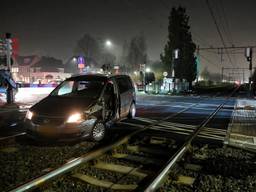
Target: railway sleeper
139, 159
192, 167
120, 169
103, 183
152, 150
184, 180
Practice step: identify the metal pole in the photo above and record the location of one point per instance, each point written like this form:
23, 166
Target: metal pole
250, 78
243, 76
198, 59
222, 74
221, 60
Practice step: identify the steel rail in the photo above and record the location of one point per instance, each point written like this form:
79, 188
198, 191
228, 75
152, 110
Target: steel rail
12, 136
69, 166
157, 181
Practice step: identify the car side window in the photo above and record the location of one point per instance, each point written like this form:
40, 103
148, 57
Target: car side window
67, 88
83, 85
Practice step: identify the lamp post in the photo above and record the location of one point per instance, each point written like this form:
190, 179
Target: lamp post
107, 59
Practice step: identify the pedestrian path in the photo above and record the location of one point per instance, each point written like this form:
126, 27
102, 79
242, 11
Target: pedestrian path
242, 128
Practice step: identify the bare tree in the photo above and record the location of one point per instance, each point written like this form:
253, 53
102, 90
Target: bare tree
89, 47
137, 52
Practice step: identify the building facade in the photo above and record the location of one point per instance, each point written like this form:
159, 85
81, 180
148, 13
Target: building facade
35, 69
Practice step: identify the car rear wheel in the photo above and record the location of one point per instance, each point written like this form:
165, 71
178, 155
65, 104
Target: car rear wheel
98, 131
132, 111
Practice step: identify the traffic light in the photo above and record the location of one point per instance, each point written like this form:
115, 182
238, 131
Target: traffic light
8, 35
15, 47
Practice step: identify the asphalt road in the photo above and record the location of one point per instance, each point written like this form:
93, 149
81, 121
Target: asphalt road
158, 107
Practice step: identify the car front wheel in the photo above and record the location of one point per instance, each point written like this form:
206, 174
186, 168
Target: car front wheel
98, 131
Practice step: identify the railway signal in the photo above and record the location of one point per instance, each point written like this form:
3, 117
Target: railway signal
248, 55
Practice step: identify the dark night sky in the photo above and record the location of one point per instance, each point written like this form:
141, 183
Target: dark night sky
52, 27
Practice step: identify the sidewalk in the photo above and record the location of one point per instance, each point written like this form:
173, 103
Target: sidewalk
242, 128
23, 101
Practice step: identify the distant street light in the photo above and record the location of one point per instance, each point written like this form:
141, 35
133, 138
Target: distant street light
108, 43
74, 59
148, 69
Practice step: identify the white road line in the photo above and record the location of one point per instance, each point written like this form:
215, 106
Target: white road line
145, 119
182, 131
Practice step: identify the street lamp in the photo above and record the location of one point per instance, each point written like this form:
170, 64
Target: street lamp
148, 70
108, 43
74, 59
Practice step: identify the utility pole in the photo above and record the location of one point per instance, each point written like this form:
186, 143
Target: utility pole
222, 74
243, 76
221, 60
197, 63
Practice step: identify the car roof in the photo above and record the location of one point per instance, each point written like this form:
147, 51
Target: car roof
95, 76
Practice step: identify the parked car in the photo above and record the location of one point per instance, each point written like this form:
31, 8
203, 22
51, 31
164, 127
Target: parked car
82, 106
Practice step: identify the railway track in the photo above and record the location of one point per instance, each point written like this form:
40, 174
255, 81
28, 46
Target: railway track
12, 136
132, 162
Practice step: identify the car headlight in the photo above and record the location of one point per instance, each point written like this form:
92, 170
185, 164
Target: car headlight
29, 115
75, 118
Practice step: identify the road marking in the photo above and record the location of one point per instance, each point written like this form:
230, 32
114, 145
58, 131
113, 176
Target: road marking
183, 129
145, 119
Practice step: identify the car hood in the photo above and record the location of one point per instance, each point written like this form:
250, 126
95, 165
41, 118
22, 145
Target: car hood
62, 106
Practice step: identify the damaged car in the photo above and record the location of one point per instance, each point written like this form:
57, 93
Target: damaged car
82, 106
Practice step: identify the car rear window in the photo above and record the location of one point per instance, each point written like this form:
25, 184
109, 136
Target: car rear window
124, 84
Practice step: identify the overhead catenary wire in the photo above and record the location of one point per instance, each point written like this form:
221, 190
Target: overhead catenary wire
225, 25
218, 30
229, 34
208, 61
200, 39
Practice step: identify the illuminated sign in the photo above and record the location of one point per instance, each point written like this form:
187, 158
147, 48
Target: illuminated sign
80, 65
80, 62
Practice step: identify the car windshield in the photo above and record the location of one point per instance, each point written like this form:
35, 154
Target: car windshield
84, 88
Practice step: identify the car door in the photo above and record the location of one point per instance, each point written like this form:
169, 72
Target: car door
125, 96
